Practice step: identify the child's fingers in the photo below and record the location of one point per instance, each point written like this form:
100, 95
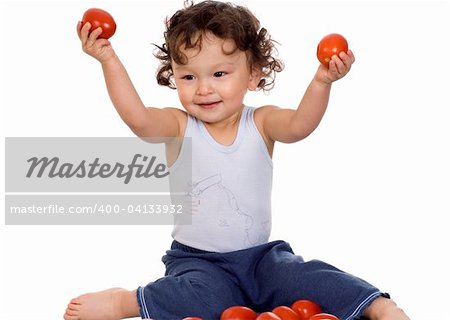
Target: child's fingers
347, 58
332, 68
340, 66
102, 43
84, 32
79, 25
93, 37
94, 34
351, 55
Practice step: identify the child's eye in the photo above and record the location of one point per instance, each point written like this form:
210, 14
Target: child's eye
219, 74
188, 77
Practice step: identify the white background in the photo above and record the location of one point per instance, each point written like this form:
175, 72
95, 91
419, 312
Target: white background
367, 192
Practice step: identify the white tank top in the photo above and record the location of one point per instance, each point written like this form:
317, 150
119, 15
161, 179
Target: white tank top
231, 189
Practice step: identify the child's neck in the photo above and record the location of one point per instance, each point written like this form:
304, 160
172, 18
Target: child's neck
224, 132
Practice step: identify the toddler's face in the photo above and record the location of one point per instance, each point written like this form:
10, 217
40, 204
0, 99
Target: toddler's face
212, 85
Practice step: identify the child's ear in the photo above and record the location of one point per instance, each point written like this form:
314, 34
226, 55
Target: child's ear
255, 78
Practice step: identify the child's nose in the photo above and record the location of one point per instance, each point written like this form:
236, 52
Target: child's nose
204, 87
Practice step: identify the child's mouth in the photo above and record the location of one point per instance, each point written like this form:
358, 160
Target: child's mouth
209, 105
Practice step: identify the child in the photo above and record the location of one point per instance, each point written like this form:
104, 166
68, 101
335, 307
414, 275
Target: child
213, 53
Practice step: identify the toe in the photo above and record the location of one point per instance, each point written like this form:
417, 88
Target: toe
75, 300
71, 312
72, 309
68, 316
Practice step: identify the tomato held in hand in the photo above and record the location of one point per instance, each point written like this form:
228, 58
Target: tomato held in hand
100, 18
305, 309
323, 316
286, 313
329, 46
268, 316
238, 313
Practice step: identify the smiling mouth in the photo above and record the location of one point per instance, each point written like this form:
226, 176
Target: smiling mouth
209, 105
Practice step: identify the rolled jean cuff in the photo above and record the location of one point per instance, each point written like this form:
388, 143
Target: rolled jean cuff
359, 310
142, 305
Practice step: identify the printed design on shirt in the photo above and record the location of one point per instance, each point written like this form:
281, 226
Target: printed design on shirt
210, 198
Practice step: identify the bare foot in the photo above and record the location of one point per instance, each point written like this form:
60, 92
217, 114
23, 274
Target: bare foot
111, 304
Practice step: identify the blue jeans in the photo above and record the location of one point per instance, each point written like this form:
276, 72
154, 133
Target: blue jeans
203, 284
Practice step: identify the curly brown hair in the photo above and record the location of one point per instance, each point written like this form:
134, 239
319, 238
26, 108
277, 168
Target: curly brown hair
226, 21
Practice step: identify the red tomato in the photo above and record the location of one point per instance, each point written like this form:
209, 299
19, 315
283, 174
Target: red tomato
238, 313
329, 46
268, 316
286, 313
305, 309
100, 18
323, 316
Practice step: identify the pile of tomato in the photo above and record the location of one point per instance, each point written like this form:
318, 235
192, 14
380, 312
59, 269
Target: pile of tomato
299, 310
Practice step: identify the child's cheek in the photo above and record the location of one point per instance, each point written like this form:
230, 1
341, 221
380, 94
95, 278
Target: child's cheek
185, 97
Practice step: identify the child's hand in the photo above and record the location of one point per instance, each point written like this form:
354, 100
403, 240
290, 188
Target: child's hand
337, 68
98, 48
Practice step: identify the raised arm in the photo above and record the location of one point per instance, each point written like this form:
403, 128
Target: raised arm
287, 125
144, 122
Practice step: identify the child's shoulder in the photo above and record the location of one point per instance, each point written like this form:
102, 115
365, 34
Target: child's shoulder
179, 114
175, 111
261, 112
